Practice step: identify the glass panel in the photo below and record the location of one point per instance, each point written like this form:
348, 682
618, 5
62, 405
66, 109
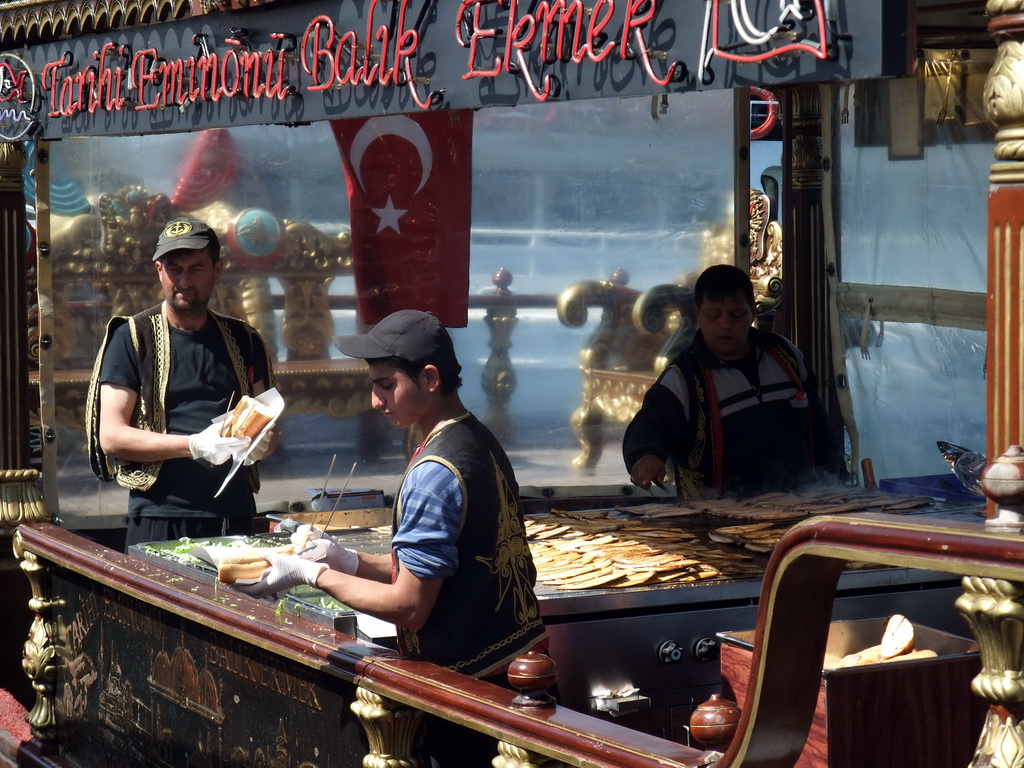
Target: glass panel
915, 156
924, 384
562, 194
911, 219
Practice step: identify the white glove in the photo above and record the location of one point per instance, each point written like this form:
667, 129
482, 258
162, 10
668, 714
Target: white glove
320, 548
286, 572
260, 450
209, 445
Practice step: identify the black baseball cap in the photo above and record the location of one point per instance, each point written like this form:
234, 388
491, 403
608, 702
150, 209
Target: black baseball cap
186, 233
410, 334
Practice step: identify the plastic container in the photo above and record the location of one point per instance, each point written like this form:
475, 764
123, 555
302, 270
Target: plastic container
945, 487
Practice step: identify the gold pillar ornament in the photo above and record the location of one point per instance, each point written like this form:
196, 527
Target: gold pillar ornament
392, 730
511, 756
1004, 103
20, 500
498, 379
42, 650
994, 610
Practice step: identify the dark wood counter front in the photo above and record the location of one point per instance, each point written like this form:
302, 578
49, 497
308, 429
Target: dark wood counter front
138, 665
134, 664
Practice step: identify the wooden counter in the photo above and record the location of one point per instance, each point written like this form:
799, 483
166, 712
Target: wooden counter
138, 665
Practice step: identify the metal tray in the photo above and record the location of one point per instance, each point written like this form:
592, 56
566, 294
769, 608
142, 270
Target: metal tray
300, 601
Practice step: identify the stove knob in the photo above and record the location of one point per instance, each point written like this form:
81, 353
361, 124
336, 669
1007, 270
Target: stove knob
670, 652
705, 649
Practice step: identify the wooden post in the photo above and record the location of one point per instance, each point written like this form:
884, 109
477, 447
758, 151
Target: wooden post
804, 307
1004, 100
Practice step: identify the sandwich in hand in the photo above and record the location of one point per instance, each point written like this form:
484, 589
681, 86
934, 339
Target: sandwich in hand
246, 564
248, 418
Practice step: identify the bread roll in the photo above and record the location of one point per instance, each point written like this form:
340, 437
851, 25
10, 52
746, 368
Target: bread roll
924, 653
248, 418
245, 564
872, 655
898, 637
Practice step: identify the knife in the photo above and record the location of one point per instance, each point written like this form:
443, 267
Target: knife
662, 486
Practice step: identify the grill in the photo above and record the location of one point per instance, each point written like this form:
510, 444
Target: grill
648, 653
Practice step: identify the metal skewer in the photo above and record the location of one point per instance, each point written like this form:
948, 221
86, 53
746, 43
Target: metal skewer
227, 418
340, 495
323, 490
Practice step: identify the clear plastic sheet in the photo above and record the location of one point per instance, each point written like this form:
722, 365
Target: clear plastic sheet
562, 193
911, 211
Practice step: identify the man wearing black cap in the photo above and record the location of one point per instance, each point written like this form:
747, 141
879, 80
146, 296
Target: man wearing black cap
458, 583
160, 378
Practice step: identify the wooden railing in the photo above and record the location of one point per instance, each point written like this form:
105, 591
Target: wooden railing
386, 691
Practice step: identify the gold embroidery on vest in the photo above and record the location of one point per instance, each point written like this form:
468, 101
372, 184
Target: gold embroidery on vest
511, 558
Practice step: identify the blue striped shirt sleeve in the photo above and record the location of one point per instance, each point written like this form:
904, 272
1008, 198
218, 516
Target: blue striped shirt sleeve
425, 541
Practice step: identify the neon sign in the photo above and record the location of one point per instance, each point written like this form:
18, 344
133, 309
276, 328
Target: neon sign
755, 44
566, 31
151, 82
398, 55
18, 98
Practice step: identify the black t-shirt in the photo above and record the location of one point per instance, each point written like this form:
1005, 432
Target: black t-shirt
201, 383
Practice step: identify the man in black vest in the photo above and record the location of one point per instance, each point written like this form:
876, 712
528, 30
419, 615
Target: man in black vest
458, 583
737, 412
160, 378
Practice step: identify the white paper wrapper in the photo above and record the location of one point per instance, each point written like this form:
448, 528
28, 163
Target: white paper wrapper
275, 403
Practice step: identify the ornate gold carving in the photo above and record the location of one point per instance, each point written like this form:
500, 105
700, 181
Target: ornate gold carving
42, 649
806, 104
13, 159
20, 501
499, 377
307, 327
995, 7
1001, 744
806, 153
391, 730
765, 253
608, 396
994, 610
511, 756
617, 348
23, 21
111, 250
668, 308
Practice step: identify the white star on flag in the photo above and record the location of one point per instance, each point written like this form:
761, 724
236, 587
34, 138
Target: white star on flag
389, 216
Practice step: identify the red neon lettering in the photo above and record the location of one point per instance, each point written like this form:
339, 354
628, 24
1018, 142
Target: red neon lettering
597, 24
108, 85
204, 80
556, 19
61, 89
476, 34
316, 54
335, 60
229, 59
144, 77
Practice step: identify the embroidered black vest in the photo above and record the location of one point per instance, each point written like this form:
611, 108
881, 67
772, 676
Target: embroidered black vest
151, 340
486, 613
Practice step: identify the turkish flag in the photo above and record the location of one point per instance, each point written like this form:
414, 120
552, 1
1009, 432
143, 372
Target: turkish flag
409, 180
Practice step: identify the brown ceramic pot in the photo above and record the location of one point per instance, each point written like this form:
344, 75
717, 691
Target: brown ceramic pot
714, 722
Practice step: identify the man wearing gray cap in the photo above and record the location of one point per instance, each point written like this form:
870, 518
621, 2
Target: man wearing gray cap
458, 583
160, 378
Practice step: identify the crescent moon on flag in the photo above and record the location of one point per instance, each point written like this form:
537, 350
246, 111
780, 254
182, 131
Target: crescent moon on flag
392, 125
